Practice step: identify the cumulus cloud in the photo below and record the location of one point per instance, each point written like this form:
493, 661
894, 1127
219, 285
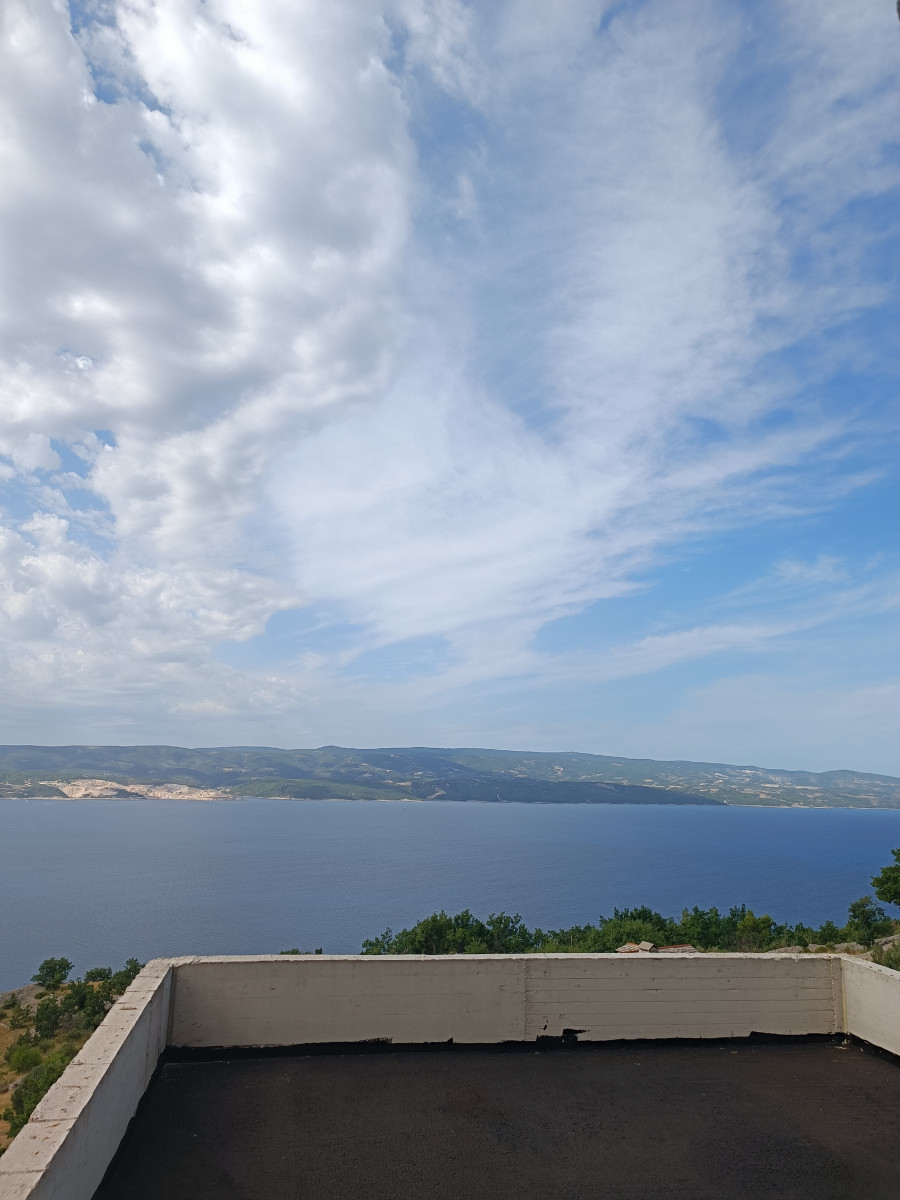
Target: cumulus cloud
429, 319
204, 222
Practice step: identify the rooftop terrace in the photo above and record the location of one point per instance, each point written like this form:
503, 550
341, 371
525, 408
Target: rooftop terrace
569, 1076
624, 1121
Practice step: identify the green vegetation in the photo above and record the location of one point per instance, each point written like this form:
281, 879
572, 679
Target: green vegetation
461, 934
867, 921
887, 882
22, 1056
55, 1029
707, 929
18, 1015
315, 789
887, 956
36, 1084
425, 773
53, 973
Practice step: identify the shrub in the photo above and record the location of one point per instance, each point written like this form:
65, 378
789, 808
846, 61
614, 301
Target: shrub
34, 1086
887, 956
19, 1015
23, 1058
83, 1005
25, 1041
97, 974
120, 981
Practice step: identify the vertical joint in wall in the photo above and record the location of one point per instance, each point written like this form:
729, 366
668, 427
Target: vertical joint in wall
170, 1016
838, 996
526, 996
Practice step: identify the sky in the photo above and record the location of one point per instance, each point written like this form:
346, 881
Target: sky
435, 372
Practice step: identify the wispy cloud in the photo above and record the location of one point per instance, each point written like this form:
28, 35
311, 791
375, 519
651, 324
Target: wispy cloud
441, 321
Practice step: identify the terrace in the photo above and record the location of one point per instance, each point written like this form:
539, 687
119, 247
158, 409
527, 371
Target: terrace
699, 1076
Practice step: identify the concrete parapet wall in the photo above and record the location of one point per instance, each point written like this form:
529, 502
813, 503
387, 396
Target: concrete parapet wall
615, 997
287, 1000
872, 1003
494, 998
64, 1150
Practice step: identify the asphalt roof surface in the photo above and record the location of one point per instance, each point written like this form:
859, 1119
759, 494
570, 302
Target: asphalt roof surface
617, 1121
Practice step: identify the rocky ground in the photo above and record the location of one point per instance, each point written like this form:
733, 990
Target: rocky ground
106, 789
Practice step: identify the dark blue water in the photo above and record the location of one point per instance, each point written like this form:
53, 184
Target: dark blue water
98, 881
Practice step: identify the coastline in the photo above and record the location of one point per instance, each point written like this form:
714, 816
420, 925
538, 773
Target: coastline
134, 794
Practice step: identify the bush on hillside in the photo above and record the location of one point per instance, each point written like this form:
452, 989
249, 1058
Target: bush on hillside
23, 1054
887, 956
34, 1086
737, 930
97, 974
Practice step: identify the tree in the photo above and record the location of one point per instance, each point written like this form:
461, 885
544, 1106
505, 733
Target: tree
887, 883
18, 1015
753, 932
52, 973
46, 1017
866, 921
97, 974
84, 1005
120, 981
828, 934
508, 935
459, 934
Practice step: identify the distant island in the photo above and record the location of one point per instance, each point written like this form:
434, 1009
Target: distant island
421, 774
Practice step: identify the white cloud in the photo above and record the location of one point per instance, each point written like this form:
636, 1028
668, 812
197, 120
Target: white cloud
442, 320
669, 285
200, 268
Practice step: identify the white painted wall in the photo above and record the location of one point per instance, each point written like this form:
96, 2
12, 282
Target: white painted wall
293, 1000
486, 998
682, 996
872, 1003
64, 1150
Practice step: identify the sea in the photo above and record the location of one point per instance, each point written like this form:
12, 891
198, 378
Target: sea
98, 881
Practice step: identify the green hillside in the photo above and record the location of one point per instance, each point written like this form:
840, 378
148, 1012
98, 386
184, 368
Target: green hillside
428, 773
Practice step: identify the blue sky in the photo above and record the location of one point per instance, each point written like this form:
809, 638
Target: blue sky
434, 372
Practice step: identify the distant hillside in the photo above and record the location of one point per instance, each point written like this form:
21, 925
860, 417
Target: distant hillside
424, 773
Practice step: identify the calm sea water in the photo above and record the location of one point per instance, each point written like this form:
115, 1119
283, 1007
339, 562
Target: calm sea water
98, 881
